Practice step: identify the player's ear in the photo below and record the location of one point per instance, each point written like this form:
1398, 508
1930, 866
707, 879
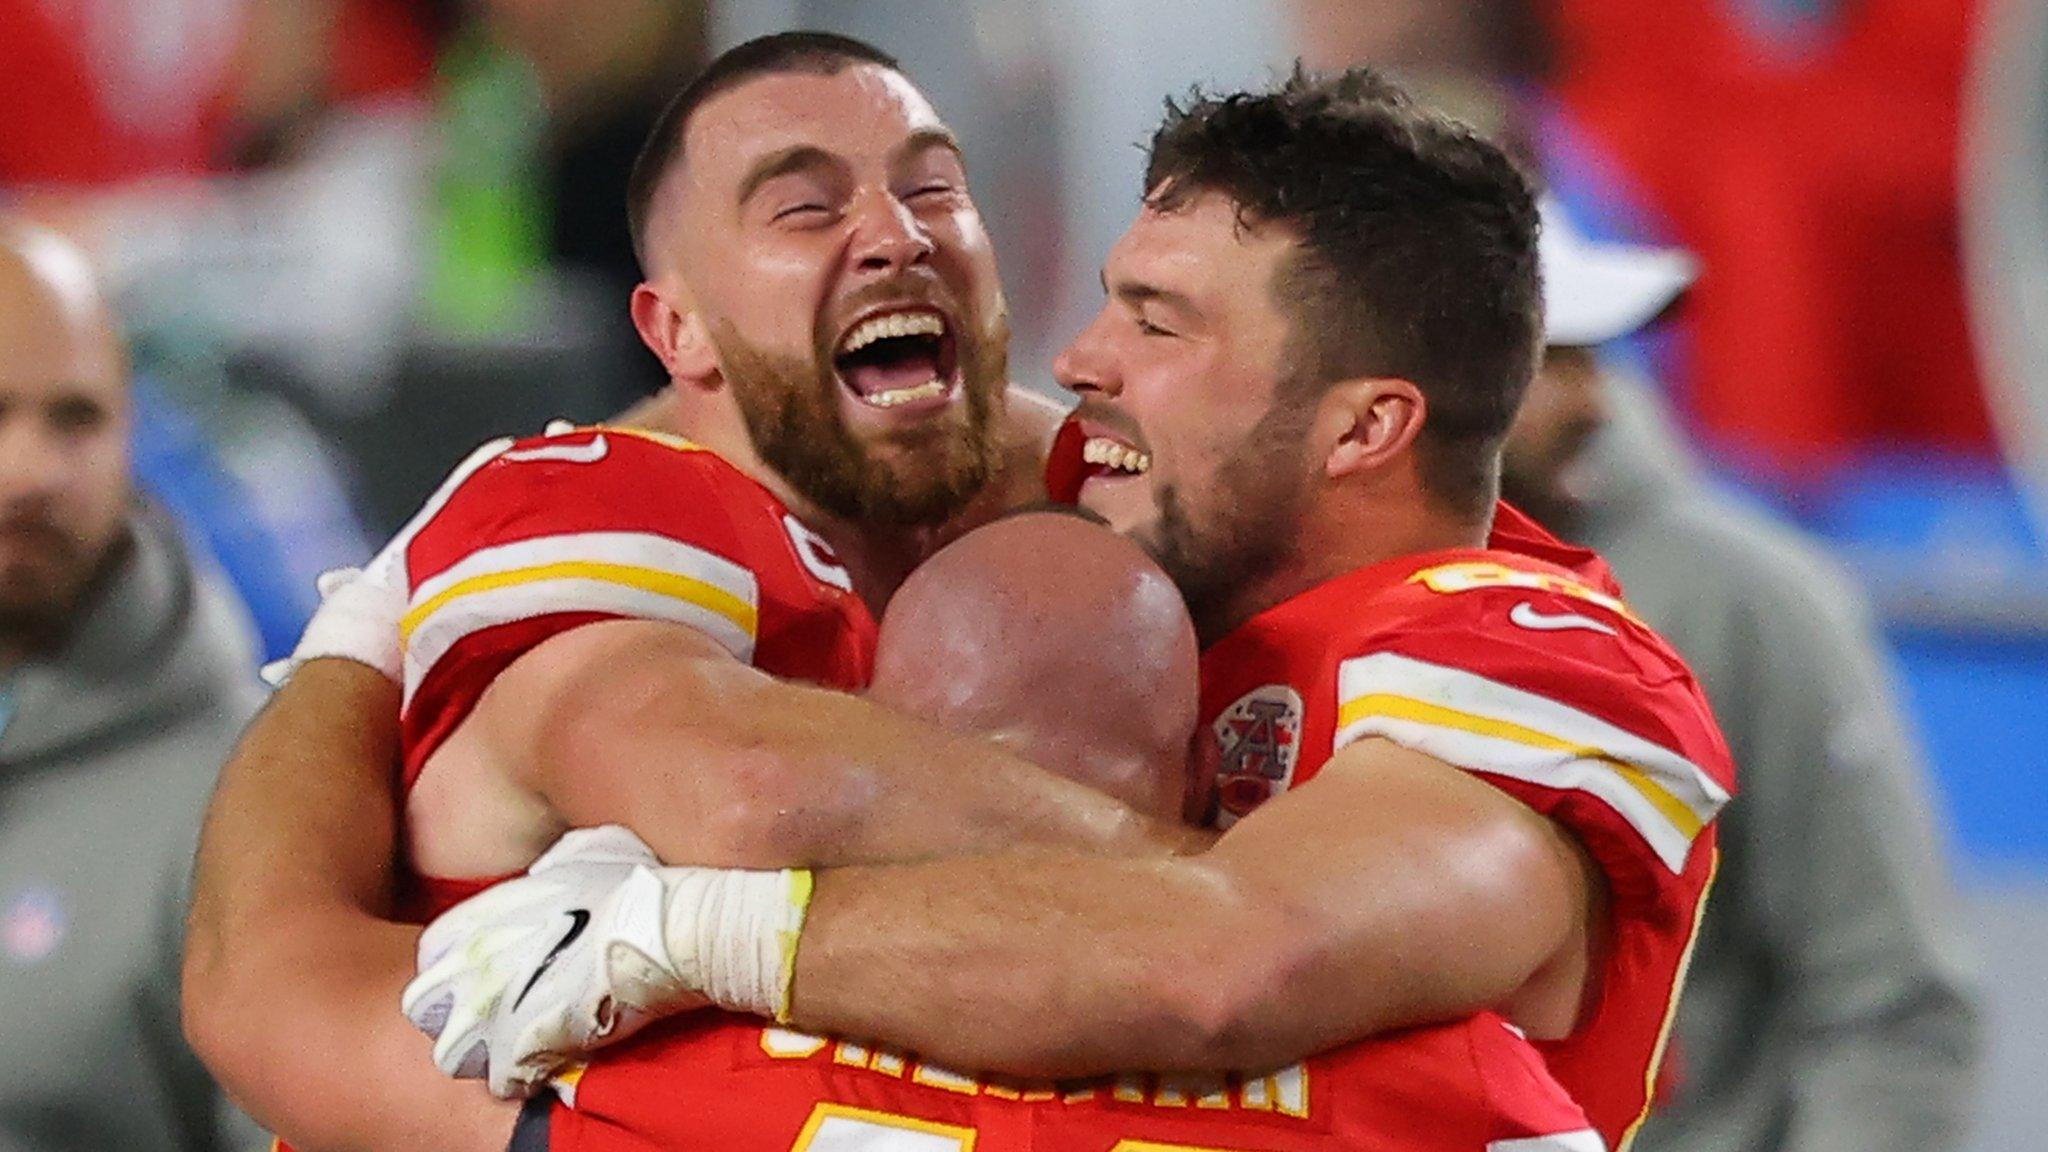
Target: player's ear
674, 331
1362, 425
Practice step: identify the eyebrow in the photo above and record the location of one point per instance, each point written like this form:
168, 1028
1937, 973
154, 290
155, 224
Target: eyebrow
795, 158
1136, 292
925, 139
798, 157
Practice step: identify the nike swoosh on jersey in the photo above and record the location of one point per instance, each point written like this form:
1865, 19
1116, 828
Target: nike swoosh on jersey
578, 921
589, 453
1525, 615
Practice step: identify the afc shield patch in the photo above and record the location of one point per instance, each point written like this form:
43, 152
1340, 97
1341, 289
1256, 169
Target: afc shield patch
1258, 741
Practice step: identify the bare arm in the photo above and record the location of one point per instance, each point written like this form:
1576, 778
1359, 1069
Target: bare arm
292, 975
1392, 890
712, 762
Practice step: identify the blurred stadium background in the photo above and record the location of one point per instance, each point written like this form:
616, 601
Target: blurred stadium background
354, 237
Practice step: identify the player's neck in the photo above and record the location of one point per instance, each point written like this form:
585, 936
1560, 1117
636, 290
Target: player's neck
878, 558
1336, 542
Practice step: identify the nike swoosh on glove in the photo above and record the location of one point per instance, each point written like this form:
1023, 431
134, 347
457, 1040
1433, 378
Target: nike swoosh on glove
515, 983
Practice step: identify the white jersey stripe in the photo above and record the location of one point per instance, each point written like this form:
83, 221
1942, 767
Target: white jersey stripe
1482, 725
472, 613
632, 549
394, 552
629, 574
1582, 1140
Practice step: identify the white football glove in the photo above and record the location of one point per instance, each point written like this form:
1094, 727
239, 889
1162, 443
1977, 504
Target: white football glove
510, 981
583, 951
361, 608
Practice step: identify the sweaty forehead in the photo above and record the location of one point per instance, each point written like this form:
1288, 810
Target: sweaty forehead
1202, 251
861, 113
1203, 240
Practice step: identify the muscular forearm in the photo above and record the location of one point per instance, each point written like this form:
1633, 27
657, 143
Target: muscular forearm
841, 781
329, 1063
289, 815
714, 763
1048, 966
291, 978
1400, 893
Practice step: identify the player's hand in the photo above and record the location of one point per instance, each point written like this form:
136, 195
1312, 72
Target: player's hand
540, 970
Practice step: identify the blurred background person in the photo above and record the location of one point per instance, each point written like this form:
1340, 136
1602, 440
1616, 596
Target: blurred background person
1830, 1003
141, 131
126, 671
2006, 230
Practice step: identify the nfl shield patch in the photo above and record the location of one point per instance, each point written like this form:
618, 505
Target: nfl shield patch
32, 926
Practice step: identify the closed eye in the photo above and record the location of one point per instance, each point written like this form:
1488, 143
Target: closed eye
801, 213
1151, 329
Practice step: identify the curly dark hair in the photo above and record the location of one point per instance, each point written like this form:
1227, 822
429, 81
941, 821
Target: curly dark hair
1417, 254
817, 53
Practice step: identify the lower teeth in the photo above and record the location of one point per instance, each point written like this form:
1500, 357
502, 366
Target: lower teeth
906, 395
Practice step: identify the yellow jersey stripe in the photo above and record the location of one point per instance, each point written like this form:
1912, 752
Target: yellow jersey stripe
1692, 941
674, 585
1396, 707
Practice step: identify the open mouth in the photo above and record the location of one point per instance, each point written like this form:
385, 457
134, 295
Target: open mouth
1084, 450
1107, 456
899, 357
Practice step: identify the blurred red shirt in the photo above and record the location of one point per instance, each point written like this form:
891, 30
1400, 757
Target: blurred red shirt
1819, 186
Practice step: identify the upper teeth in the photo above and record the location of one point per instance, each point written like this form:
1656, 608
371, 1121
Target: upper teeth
1102, 450
894, 324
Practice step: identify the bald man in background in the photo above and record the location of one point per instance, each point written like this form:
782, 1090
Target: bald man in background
125, 674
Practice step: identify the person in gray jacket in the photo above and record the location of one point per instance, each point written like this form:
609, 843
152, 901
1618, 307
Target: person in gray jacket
125, 675
1829, 1005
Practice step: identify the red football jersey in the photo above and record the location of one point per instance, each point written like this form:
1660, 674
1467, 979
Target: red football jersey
1519, 663
721, 1083
716, 1081
605, 524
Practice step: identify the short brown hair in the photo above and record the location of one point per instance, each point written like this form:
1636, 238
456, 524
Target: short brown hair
1417, 250
818, 53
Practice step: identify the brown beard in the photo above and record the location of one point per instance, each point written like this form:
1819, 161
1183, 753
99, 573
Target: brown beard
918, 477
38, 612
1253, 525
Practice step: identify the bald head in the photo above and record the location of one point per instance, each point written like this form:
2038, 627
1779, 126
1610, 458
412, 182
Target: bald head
1059, 639
63, 434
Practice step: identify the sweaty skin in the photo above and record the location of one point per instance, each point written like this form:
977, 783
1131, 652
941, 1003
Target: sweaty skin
1058, 640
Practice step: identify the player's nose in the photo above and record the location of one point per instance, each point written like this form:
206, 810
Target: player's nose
1086, 365
888, 237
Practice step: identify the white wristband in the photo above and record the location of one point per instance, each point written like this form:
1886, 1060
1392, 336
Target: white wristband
734, 934
358, 620
361, 609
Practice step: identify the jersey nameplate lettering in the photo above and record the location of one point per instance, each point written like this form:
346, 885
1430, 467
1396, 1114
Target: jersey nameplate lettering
1285, 1092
